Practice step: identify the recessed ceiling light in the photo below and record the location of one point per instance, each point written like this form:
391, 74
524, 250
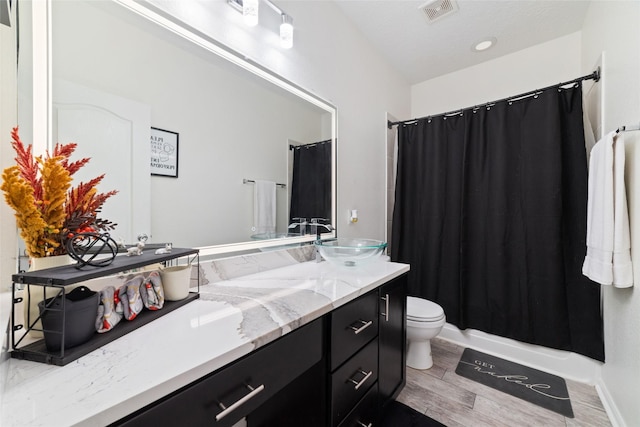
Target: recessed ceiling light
484, 44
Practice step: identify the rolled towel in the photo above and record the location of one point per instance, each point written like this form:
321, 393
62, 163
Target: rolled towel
152, 292
108, 317
130, 304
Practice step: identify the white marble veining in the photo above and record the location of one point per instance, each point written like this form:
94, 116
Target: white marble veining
231, 318
237, 266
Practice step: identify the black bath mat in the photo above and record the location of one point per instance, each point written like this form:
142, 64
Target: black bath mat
397, 414
537, 387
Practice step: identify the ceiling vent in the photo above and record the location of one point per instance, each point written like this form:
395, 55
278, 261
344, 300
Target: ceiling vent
434, 10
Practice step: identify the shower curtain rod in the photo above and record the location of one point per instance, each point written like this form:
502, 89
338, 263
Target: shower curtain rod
311, 144
593, 76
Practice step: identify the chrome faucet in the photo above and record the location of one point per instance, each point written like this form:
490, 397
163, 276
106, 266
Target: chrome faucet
316, 224
302, 223
328, 227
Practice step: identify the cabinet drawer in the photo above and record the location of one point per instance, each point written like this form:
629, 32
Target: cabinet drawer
352, 326
352, 380
240, 387
365, 414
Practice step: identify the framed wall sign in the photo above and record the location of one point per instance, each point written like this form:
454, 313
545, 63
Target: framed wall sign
5, 12
164, 153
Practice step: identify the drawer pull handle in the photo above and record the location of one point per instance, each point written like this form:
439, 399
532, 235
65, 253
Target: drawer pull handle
364, 326
385, 298
362, 381
227, 410
361, 424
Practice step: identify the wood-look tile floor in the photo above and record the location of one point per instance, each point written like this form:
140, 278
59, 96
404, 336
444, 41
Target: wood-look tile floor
456, 401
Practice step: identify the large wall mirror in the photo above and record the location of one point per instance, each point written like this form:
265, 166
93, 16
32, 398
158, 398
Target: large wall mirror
120, 68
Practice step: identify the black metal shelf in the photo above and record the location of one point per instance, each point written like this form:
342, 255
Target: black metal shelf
59, 277
69, 274
37, 351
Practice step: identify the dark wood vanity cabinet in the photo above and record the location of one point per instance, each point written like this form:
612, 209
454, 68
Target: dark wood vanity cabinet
368, 344
392, 342
339, 370
226, 396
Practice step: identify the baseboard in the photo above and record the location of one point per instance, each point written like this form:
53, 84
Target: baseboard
563, 363
609, 405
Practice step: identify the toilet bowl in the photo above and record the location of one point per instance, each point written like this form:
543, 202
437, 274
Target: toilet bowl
425, 320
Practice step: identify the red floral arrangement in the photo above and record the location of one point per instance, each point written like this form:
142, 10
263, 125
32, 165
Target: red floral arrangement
48, 209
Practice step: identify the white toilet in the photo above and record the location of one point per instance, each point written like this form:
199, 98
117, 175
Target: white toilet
425, 320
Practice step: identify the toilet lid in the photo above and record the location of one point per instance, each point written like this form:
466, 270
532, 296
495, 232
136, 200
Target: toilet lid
422, 310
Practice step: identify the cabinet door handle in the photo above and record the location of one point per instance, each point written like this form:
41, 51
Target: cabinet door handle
361, 424
364, 326
227, 410
385, 298
362, 381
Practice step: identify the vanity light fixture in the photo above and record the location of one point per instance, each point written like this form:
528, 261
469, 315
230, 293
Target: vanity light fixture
484, 44
249, 10
286, 31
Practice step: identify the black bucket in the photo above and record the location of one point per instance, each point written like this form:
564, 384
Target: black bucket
80, 311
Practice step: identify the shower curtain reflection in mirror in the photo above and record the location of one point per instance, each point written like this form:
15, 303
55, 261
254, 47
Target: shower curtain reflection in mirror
311, 183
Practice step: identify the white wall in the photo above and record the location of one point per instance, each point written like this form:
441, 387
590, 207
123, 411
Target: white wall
612, 27
334, 61
538, 66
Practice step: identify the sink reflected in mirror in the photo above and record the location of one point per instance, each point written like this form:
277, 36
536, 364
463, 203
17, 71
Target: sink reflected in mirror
269, 236
275, 236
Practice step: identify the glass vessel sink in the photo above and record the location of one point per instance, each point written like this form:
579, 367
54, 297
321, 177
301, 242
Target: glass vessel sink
350, 252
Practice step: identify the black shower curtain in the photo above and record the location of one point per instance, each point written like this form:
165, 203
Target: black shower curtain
490, 212
311, 182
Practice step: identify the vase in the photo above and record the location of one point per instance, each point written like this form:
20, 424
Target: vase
33, 294
175, 282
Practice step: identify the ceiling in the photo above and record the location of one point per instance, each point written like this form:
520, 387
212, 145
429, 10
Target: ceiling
420, 50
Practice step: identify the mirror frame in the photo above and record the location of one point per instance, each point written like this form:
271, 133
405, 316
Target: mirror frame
43, 99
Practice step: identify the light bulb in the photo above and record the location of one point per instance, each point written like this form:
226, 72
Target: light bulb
286, 31
250, 12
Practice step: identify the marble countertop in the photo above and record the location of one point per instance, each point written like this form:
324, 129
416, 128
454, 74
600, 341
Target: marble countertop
231, 319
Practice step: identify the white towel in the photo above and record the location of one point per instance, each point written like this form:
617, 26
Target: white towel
264, 206
608, 259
